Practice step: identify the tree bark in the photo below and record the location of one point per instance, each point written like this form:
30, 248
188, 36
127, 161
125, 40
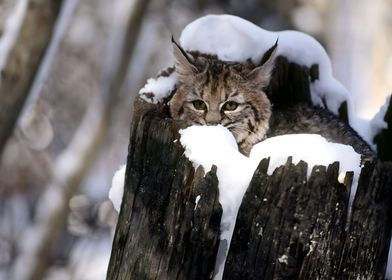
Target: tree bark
23, 62
283, 218
163, 231
289, 227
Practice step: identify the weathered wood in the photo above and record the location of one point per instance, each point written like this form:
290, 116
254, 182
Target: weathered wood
365, 249
289, 227
330, 204
281, 218
161, 232
23, 62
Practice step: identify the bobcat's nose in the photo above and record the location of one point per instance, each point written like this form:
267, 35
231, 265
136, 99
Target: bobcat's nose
213, 118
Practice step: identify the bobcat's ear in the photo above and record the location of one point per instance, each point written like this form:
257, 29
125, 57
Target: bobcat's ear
185, 69
261, 75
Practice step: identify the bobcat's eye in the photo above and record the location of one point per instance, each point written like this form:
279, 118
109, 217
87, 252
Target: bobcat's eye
199, 105
230, 106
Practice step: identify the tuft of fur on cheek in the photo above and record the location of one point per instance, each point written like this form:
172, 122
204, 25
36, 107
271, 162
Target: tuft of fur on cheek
239, 129
247, 128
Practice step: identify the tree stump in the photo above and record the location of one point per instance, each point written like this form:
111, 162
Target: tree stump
288, 226
162, 233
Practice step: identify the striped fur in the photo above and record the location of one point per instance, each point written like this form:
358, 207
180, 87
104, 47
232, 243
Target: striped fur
211, 92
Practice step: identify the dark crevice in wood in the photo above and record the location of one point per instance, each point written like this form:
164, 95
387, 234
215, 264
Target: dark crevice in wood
383, 139
343, 112
314, 73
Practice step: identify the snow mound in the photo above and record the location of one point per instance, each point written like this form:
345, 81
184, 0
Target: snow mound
311, 148
215, 145
232, 38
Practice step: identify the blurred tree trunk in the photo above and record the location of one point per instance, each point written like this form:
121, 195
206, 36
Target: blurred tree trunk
23, 62
81, 151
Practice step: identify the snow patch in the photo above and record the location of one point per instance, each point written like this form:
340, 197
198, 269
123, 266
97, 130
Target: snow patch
284, 259
215, 145
117, 189
311, 148
157, 89
197, 201
369, 128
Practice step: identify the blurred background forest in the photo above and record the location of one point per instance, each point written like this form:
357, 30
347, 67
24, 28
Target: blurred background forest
72, 133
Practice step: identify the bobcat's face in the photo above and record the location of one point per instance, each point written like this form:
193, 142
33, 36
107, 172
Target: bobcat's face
211, 92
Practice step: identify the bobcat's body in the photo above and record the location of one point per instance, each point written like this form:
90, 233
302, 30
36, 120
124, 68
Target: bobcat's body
304, 118
210, 92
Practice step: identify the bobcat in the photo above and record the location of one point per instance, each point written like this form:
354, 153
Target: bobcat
210, 92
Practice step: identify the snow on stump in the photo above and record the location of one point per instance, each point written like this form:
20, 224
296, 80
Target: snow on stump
177, 222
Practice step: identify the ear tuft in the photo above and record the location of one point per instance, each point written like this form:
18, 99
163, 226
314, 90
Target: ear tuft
185, 69
270, 53
261, 75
